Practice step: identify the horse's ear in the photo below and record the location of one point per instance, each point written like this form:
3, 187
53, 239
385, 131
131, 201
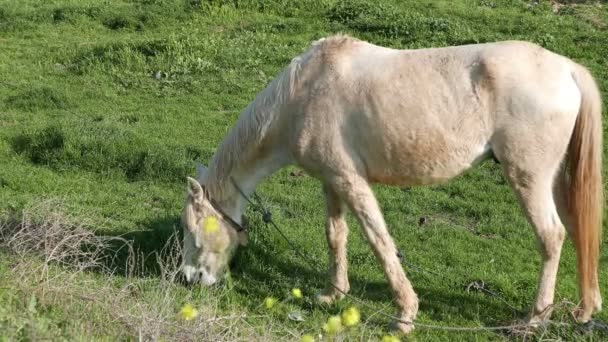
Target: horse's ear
201, 172
195, 189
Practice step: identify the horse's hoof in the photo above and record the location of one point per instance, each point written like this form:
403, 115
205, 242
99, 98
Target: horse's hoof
328, 297
535, 321
402, 327
584, 313
581, 315
539, 317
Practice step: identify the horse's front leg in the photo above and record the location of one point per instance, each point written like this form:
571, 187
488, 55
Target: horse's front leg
357, 193
337, 233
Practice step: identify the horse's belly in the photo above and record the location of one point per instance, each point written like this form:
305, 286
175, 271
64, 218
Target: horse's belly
424, 165
415, 175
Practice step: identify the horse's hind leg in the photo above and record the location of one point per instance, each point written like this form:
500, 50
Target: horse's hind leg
357, 193
532, 177
336, 232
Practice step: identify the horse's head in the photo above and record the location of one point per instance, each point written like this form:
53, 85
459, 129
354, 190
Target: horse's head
210, 237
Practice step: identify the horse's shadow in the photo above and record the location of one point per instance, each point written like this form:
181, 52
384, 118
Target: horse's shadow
146, 252
261, 270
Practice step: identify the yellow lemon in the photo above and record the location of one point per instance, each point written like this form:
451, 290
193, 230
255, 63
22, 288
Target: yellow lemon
188, 312
390, 338
210, 225
269, 302
351, 316
296, 293
307, 338
333, 325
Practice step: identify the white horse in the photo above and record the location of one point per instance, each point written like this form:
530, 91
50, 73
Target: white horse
351, 113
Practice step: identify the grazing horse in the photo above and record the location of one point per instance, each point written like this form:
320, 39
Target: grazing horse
351, 113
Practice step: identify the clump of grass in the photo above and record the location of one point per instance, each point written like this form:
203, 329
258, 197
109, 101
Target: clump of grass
41, 147
285, 8
347, 12
45, 231
70, 14
117, 22
106, 150
390, 23
38, 98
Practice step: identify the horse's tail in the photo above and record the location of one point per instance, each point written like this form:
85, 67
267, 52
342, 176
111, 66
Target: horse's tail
586, 190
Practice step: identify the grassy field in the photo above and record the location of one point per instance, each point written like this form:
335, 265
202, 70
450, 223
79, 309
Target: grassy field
106, 105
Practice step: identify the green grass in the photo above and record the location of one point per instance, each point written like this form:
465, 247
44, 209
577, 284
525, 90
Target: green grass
107, 105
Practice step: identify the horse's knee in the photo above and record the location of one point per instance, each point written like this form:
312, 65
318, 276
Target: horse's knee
336, 236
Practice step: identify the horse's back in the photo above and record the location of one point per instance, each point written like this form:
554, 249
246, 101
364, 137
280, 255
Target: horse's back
420, 116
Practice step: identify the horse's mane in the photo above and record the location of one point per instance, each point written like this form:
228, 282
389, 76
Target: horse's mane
254, 122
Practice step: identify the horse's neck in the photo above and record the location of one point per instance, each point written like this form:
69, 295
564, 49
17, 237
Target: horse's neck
246, 178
